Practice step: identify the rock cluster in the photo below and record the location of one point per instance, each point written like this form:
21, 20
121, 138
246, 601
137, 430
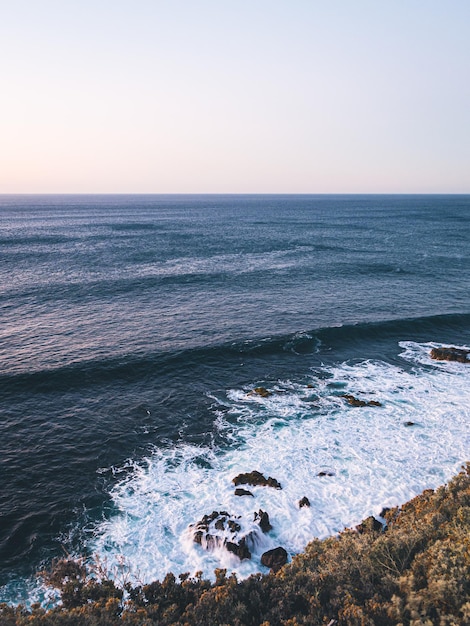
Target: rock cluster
205, 534
356, 402
220, 529
256, 479
260, 391
450, 354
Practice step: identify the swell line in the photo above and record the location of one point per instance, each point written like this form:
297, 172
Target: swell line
130, 368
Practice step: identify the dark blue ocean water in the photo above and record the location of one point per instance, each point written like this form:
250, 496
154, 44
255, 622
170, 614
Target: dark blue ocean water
132, 328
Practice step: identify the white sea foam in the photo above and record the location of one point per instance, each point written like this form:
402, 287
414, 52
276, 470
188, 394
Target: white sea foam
293, 435
226, 263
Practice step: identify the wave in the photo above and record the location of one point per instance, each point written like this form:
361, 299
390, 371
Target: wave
136, 226
428, 326
34, 240
321, 341
140, 272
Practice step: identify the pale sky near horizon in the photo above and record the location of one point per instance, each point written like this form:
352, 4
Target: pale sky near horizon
259, 96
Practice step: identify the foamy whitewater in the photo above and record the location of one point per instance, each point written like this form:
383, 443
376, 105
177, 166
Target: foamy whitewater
377, 458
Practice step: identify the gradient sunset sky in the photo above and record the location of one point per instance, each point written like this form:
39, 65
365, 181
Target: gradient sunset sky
255, 96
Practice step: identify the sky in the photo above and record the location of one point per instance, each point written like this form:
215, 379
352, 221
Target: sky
225, 96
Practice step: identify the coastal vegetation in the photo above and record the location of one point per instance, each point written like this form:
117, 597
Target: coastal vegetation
414, 570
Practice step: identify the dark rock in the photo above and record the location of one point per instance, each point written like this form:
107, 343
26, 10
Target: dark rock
370, 524
409, 423
353, 401
304, 502
274, 559
204, 534
243, 492
263, 522
207, 519
234, 527
260, 391
256, 478
390, 515
450, 354
240, 549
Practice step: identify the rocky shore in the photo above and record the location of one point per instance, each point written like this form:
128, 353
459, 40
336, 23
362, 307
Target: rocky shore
410, 565
411, 568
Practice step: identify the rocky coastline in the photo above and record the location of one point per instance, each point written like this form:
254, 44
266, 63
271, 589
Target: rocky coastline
410, 565
412, 568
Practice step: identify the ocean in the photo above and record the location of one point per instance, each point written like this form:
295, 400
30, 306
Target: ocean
134, 330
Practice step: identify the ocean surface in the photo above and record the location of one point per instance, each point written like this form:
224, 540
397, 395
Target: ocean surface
133, 329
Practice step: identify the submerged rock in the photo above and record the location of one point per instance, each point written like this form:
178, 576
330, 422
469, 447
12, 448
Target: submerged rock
304, 502
450, 354
274, 559
256, 479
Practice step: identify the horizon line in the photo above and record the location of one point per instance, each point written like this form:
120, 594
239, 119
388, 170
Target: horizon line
235, 193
